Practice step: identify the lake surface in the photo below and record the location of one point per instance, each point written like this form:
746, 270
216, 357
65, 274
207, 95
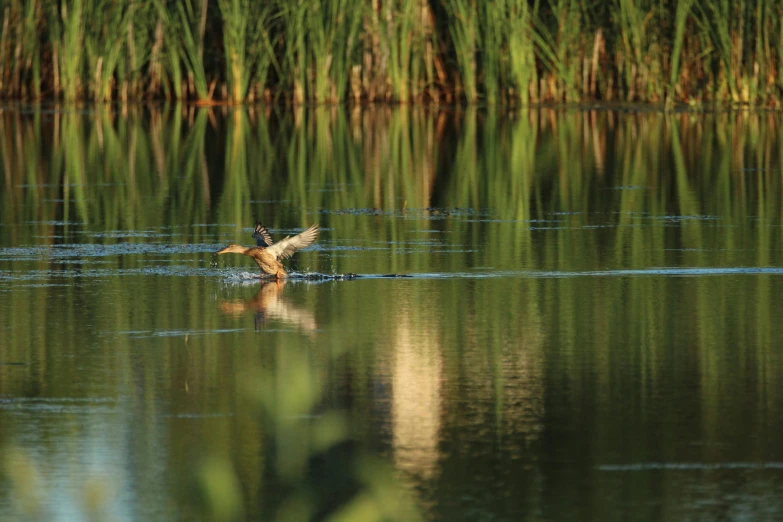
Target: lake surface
590, 330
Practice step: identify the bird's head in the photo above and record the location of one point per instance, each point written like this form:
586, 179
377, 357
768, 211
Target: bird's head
232, 249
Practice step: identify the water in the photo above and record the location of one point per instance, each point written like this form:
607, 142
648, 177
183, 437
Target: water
589, 329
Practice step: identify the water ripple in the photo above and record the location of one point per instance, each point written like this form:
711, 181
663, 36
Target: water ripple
687, 466
82, 250
233, 274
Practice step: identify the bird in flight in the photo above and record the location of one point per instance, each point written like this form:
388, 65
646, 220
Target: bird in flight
268, 254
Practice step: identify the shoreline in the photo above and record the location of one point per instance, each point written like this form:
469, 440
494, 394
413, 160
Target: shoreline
597, 106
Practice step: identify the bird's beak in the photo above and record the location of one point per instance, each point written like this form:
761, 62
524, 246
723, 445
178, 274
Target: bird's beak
223, 251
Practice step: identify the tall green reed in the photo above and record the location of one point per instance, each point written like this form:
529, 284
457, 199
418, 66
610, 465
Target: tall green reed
521, 51
675, 68
640, 54
247, 47
137, 72
720, 23
20, 50
104, 44
235, 19
293, 48
172, 82
403, 33
493, 38
464, 32
333, 28
185, 23
558, 48
67, 30
318, 68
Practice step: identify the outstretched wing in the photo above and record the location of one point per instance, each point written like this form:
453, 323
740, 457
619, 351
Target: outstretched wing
288, 246
263, 239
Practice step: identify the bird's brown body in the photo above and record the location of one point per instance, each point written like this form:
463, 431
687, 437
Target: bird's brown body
268, 257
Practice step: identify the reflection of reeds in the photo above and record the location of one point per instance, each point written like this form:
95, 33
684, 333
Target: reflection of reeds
390, 160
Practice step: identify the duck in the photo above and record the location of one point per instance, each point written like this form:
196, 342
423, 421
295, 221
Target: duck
268, 254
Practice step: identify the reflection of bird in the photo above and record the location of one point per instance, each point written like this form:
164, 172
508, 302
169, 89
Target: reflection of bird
268, 302
268, 255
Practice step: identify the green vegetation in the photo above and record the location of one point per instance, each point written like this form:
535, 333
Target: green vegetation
405, 51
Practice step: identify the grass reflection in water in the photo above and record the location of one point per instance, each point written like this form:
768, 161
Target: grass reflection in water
592, 291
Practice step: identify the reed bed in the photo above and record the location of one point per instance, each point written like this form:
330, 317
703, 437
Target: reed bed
401, 51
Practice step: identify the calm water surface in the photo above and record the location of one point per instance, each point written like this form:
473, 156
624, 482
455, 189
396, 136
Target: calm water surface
591, 329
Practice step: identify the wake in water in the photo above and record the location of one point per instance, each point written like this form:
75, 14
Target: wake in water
317, 276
